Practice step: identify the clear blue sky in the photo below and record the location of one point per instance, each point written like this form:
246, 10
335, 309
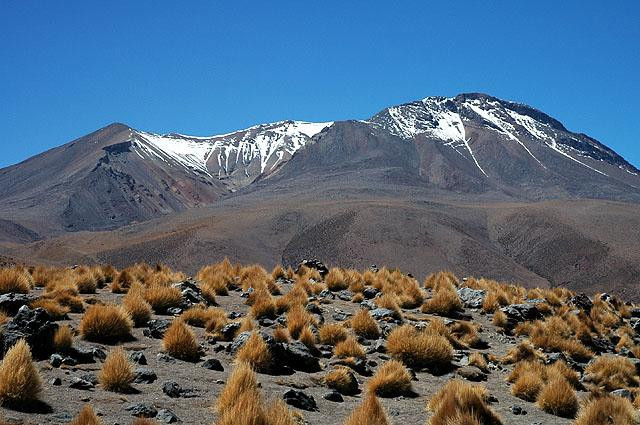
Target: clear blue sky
205, 67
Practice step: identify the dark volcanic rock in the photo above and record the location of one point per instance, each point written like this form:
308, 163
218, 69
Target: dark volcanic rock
142, 410
300, 400
11, 303
213, 364
34, 326
581, 301
472, 298
299, 357
172, 389
144, 375
314, 264
156, 328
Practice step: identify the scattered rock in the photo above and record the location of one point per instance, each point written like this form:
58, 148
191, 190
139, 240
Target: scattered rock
213, 364
55, 381
517, 410
345, 295
99, 353
313, 264
471, 373
174, 311
34, 326
165, 358
382, 313
340, 316
333, 396
300, 400
156, 328
172, 389
62, 417
370, 292
138, 357
623, 392
10, 303
166, 416
472, 298
142, 410
144, 376
299, 357
229, 330
581, 301
55, 360
80, 384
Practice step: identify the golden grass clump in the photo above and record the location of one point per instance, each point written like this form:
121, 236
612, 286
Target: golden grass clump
477, 359
349, 348
607, 410
499, 319
611, 373
137, 308
105, 323
280, 334
458, 402
66, 297
444, 302
200, 316
255, 353
342, 380
308, 338
419, 349
264, 306
180, 341
162, 297
116, 373
14, 280
86, 417
390, 380
465, 333
55, 310
242, 380
297, 319
332, 333
558, 398
440, 280
527, 386
122, 282
63, 339
20, 382
523, 351
364, 325
554, 334
369, 412
335, 280
560, 368
390, 302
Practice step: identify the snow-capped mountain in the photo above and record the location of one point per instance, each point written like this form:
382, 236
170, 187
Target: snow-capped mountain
241, 155
470, 144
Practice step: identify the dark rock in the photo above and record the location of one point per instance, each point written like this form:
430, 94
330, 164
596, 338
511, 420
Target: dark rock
138, 357
333, 396
11, 303
69, 361
34, 326
265, 322
174, 311
472, 298
62, 417
517, 313
165, 358
623, 392
325, 293
55, 381
83, 355
380, 346
370, 292
213, 364
99, 353
314, 264
80, 384
192, 296
382, 313
229, 330
90, 378
144, 376
517, 410
554, 357
55, 360
172, 389
368, 304
142, 410
166, 416
314, 308
300, 400
471, 373
345, 295
581, 301
340, 316
299, 357
239, 341
234, 315
156, 328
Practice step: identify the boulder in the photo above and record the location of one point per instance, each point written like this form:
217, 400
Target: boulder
582, 302
156, 328
10, 303
144, 375
166, 416
313, 264
472, 298
213, 364
299, 357
142, 410
35, 327
300, 400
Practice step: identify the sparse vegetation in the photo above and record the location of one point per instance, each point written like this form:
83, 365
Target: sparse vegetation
14, 280
255, 353
418, 349
116, 373
460, 403
87, 416
180, 341
105, 323
20, 381
369, 412
390, 380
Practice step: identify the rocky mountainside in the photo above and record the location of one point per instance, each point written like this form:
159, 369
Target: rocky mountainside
471, 183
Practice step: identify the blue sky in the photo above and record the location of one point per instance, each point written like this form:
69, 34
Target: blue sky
205, 67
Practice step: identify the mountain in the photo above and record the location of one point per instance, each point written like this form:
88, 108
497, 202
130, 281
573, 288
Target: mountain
472, 183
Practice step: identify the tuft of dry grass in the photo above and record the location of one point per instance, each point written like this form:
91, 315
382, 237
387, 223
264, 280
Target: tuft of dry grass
527, 386
162, 297
349, 348
364, 325
369, 412
122, 282
444, 302
14, 280
116, 373
63, 339
558, 398
242, 380
200, 316
105, 323
342, 380
20, 382
390, 380
86, 417
264, 306
419, 349
137, 308
611, 373
297, 319
523, 351
335, 280
255, 353
180, 341
500, 319
477, 359
390, 302
607, 410
332, 333
55, 310
280, 334
308, 338
560, 368
460, 403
